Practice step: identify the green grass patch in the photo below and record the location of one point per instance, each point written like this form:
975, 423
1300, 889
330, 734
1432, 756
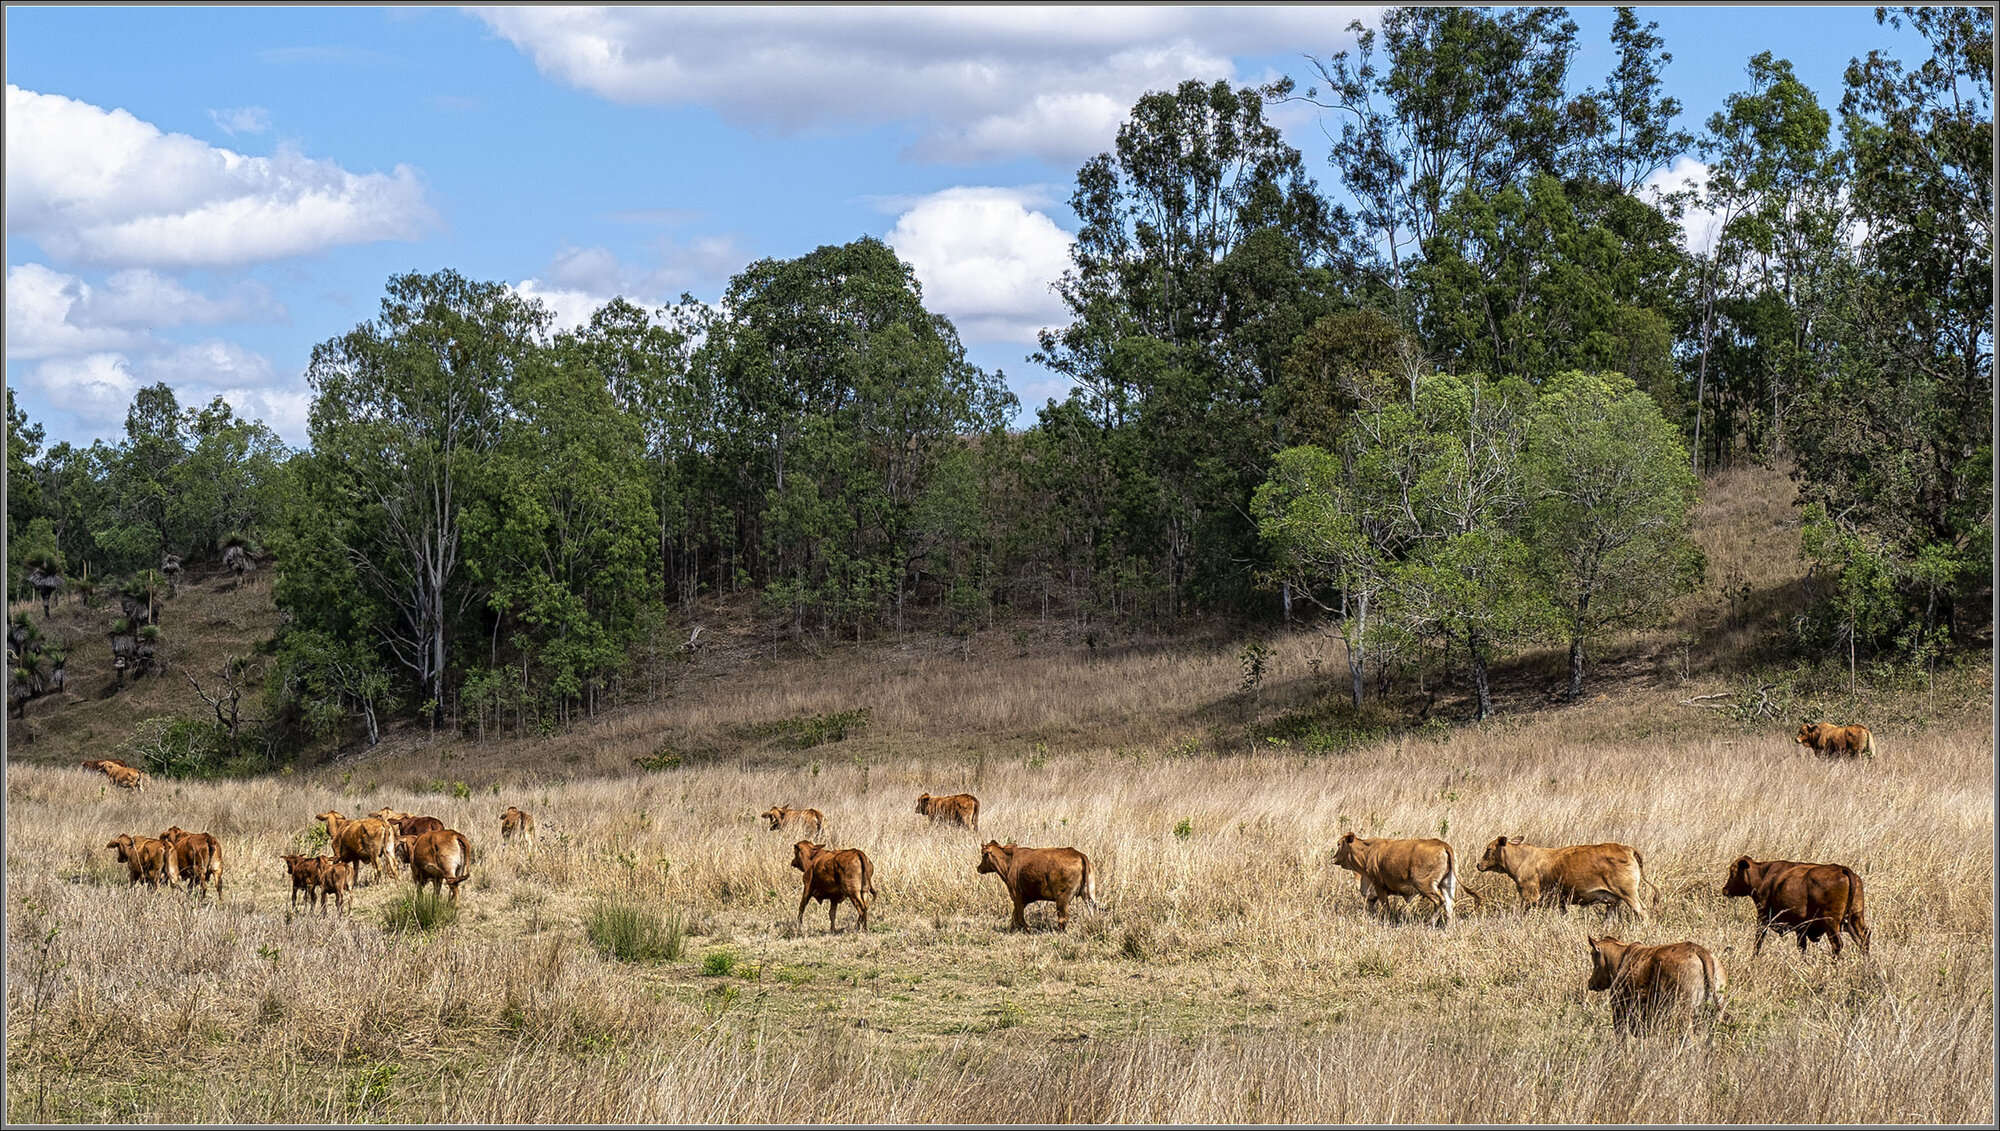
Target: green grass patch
633, 932
415, 912
807, 731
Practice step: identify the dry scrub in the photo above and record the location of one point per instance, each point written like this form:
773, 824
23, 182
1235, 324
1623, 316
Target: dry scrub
1233, 975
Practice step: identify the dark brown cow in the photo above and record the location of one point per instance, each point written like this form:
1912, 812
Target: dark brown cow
193, 857
1038, 875
441, 858
144, 857
335, 878
1404, 868
960, 809
517, 823
1809, 899
1649, 983
305, 873
1608, 873
832, 875
780, 816
1832, 741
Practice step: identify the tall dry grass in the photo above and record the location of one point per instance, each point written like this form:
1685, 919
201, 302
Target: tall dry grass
1232, 975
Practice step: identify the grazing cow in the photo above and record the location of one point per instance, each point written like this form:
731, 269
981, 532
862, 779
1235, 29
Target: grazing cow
960, 809
440, 858
1609, 874
125, 777
517, 823
832, 875
101, 764
780, 816
1037, 875
366, 841
1648, 983
194, 857
1403, 867
144, 857
305, 873
1827, 739
1810, 899
406, 824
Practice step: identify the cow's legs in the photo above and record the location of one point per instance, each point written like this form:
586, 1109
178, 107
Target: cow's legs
832, 909
1763, 932
860, 906
1020, 914
1062, 912
803, 900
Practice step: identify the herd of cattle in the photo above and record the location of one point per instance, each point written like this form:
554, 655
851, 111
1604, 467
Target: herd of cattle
1646, 983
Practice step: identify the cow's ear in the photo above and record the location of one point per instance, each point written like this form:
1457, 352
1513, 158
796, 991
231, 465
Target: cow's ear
1501, 842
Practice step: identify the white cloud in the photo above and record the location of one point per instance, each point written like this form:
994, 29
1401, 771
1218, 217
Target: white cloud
983, 83
50, 313
579, 280
986, 260
1700, 227
104, 187
94, 388
242, 120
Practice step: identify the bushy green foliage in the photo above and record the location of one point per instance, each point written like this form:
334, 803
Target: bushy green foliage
419, 911
627, 930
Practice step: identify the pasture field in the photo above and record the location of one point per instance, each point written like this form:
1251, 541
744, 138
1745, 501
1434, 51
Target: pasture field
1233, 975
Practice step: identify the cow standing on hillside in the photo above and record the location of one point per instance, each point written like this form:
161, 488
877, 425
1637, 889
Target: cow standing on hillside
193, 857
144, 857
1404, 868
960, 809
370, 840
779, 816
832, 875
1810, 899
1648, 983
1610, 874
1831, 741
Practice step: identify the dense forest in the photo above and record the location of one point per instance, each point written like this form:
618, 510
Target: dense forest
1463, 411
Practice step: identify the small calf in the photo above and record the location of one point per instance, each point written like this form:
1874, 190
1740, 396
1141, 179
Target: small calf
517, 823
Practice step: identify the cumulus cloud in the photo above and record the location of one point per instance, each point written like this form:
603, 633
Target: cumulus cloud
85, 396
50, 313
986, 260
101, 186
1700, 228
982, 83
242, 120
579, 280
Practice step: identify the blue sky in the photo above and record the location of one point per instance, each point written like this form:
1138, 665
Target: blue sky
200, 195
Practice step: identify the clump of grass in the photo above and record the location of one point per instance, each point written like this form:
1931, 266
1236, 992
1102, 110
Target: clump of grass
718, 963
415, 912
808, 731
632, 932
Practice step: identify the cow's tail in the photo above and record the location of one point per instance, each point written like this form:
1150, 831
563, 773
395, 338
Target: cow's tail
1713, 983
1452, 887
1089, 888
1639, 858
465, 854
1868, 744
868, 876
1854, 919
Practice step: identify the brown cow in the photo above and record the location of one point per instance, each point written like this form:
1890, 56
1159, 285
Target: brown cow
1647, 983
832, 875
144, 857
1827, 739
194, 857
1038, 875
100, 764
960, 809
366, 841
335, 878
1405, 868
305, 873
406, 824
1609, 874
440, 858
517, 823
125, 777
780, 816
1810, 899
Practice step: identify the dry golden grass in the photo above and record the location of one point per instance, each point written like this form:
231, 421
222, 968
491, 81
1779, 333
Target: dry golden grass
1232, 974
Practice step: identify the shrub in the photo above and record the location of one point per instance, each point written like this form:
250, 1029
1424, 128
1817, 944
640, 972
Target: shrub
718, 963
632, 932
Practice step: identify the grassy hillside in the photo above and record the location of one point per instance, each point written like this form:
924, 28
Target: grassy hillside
1231, 975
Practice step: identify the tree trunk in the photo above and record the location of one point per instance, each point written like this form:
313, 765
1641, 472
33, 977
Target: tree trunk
1575, 668
1476, 647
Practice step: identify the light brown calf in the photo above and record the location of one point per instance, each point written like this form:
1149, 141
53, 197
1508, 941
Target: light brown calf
779, 816
367, 841
1827, 739
832, 875
517, 823
1649, 984
193, 857
1039, 875
1610, 874
960, 809
144, 857
125, 777
1403, 868
441, 858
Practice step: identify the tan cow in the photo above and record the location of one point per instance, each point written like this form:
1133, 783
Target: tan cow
335, 878
406, 824
144, 857
305, 874
780, 816
101, 765
517, 823
1827, 739
125, 777
441, 858
1609, 874
1039, 875
832, 875
193, 857
1403, 868
1813, 900
367, 841
960, 809
1650, 983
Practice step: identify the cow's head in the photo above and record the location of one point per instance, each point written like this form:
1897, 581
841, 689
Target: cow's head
387, 814
330, 818
173, 835
804, 852
774, 814
124, 846
1738, 882
994, 855
1343, 851
924, 804
1491, 862
1604, 956
403, 846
